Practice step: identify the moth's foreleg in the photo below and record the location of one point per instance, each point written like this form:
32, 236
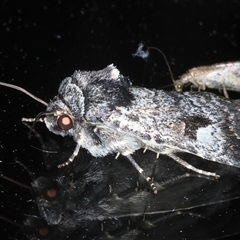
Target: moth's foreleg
142, 173
190, 167
75, 153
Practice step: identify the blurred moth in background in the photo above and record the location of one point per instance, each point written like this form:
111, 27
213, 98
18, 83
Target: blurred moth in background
222, 76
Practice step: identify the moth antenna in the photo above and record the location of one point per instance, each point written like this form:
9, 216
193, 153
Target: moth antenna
26, 169
36, 119
42, 150
32, 216
166, 86
14, 181
12, 222
165, 58
38, 136
18, 183
24, 91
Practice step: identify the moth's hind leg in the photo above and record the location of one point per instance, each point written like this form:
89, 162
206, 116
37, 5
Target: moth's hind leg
142, 173
189, 166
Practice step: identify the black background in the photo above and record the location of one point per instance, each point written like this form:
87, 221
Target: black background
42, 42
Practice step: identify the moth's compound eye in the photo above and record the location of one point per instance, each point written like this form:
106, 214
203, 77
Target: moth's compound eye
179, 87
42, 232
65, 122
50, 193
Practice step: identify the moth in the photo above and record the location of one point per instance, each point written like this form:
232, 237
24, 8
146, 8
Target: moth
105, 114
221, 76
95, 199
75, 204
101, 194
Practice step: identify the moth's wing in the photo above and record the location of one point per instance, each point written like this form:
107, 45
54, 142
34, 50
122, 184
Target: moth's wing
199, 123
145, 124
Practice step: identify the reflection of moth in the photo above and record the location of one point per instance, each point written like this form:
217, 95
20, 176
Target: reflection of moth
222, 76
105, 114
90, 200
98, 199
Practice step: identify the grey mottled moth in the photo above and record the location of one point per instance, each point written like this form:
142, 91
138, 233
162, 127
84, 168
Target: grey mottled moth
105, 114
222, 76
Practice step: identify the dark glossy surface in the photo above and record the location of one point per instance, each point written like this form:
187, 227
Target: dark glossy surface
43, 42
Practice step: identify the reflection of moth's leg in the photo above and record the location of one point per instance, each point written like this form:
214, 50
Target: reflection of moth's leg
190, 167
37, 135
172, 180
153, 223
142, 173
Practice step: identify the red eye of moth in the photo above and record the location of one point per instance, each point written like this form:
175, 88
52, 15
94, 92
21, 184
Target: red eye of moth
65, 122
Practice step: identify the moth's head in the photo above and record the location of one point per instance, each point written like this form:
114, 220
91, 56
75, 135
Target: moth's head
178, 87
64, 110
49, 194
58, 118
183, 81
35, 227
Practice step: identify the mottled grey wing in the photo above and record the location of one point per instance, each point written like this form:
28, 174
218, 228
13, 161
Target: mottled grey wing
199, 123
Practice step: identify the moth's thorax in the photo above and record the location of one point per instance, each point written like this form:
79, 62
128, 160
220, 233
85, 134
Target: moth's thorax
90, 97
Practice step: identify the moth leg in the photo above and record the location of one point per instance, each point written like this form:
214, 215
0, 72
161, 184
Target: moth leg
152, 223
225, 91
202, 87
190, 167
75, 153
194, 85
141, 171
